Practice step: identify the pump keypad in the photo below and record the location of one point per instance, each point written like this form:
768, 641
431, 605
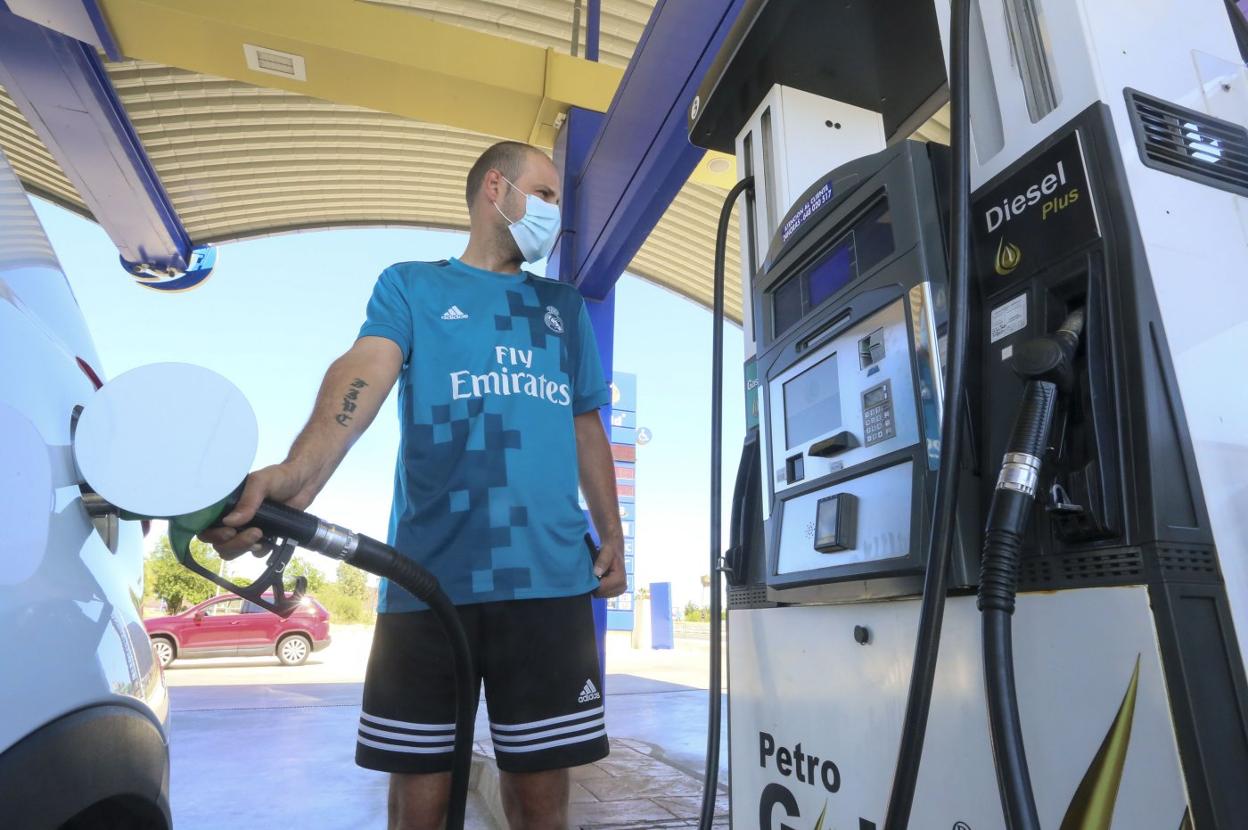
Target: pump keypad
877, 414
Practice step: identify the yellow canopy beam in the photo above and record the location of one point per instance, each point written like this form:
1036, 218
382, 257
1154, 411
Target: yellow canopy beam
369, 55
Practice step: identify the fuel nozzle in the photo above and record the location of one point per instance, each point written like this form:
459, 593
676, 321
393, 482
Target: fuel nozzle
1051, 357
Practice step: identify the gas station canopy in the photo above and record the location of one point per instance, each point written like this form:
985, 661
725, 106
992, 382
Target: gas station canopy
265, 118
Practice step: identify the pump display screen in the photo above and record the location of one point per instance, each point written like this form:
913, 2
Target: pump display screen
812, 403
867, 242
832, 273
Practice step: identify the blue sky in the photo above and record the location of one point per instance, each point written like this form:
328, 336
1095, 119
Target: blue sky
276, 312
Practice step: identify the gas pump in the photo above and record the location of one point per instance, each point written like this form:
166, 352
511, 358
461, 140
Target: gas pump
1097, 476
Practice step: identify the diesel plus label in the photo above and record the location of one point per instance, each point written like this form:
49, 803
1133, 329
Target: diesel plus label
1039, 213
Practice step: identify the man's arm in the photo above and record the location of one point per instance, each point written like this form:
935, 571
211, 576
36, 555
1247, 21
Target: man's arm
597, 471
353, 391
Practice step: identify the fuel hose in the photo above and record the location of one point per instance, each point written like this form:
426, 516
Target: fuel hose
295, 527
944, 521
1012, 503
1046, 366
710, 781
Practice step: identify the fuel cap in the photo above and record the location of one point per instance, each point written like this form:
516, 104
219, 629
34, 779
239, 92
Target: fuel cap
165, 439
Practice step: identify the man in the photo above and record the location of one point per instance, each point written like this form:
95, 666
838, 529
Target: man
499, 390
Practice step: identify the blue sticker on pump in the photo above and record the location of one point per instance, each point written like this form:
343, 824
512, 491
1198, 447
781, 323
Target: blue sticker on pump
820, 198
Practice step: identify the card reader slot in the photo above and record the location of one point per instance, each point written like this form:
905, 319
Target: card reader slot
825, 333
833, 444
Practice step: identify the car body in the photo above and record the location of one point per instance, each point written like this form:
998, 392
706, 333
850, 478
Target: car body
82, 693
228, 626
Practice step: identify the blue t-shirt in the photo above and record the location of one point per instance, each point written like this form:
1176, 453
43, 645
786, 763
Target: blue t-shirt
485, 488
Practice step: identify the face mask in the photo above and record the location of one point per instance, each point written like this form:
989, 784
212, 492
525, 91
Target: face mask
535, 232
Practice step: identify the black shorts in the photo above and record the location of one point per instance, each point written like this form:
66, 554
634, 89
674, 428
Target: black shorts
539, 661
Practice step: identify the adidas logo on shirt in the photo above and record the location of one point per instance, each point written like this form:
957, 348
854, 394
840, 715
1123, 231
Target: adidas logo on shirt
453, 313
590, 692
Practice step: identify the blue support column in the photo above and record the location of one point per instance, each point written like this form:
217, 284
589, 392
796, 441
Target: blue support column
642, 155
571, 154
572, 147
602, 316
593, 26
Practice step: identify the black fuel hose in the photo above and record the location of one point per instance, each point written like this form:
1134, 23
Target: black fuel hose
1012, 503
378, 558
1046, 364
710, 782
944, 522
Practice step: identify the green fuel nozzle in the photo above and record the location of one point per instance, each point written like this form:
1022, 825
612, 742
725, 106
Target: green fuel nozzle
284, 528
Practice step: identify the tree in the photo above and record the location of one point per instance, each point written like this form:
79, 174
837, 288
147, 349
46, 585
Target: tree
177, 586
299, 566
351, 582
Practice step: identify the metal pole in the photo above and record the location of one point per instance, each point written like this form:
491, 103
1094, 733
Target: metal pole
593, 13
576, 28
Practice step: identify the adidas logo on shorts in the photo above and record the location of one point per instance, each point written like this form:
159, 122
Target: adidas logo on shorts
453, 313
590, 692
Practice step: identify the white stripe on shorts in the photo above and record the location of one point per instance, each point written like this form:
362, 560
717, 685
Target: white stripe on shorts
562, 730
550, 744
406, 738
421, 750
427, 727
520, 727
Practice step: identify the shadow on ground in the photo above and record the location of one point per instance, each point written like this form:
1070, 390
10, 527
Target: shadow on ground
284, 754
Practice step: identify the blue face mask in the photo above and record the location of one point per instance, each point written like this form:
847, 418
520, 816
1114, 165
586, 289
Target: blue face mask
535, 232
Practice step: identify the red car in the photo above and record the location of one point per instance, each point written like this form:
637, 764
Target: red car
228, 626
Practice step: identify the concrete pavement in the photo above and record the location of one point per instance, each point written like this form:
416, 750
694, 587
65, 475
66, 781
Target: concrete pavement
281, 749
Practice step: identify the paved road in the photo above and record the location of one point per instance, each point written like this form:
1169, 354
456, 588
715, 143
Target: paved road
345, 659
279, 749
283, 754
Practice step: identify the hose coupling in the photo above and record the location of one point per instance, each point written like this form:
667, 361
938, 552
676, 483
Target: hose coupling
1019, 472
334, 541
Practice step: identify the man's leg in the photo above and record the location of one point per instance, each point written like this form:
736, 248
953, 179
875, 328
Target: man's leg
535, 800
407, 721
418, 802
539, 659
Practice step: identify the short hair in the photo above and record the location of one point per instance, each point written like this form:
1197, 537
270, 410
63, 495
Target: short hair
507, 157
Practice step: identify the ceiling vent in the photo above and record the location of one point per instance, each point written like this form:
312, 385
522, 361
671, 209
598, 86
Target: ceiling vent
273, 62
1189, 143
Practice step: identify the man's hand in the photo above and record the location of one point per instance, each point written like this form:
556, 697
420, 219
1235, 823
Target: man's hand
281, 483
609, 568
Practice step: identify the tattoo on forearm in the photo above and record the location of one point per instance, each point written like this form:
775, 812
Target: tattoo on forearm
349, 402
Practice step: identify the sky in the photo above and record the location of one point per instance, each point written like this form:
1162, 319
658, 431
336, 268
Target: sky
278, 310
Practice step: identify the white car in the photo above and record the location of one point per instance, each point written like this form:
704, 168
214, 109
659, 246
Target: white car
83, 704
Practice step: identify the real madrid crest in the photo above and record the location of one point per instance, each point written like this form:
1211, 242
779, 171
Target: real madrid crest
553, 321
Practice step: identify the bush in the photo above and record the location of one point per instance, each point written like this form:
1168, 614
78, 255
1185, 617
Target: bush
352, 581
166, 579
697, 613
297, 567
344, 607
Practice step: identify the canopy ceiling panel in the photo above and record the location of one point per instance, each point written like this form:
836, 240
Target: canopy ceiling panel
545, 23
240, 161
32, 162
